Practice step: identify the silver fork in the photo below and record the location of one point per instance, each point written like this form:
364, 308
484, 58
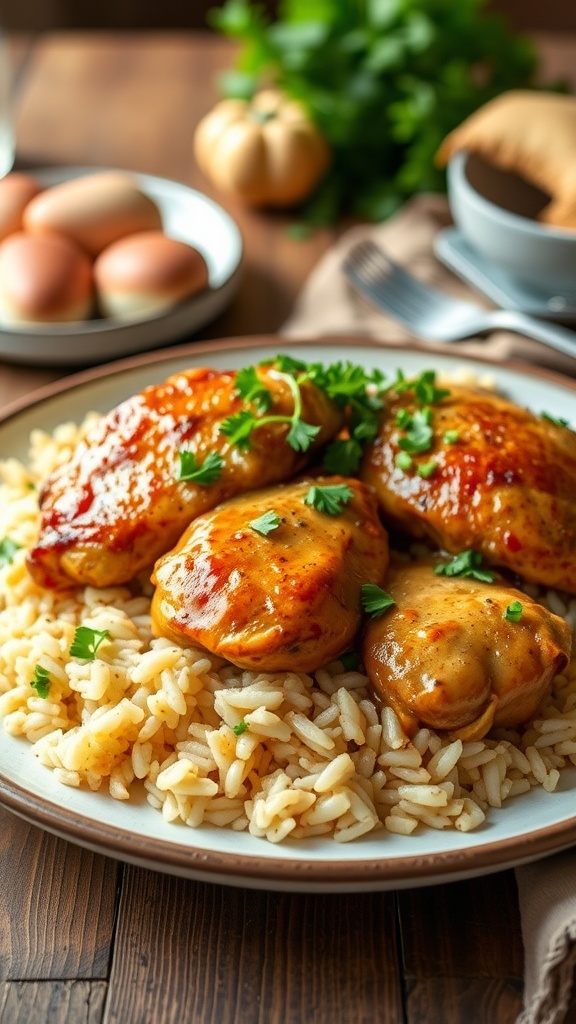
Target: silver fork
434, 316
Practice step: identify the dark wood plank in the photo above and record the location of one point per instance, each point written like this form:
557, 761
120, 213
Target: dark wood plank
125, 100
52, 1002
56, 907
469, 929
204, 953
46, 14
463, 1001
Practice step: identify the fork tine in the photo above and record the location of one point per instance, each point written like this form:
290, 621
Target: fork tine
380, 270
369, 268
387, 284
435, 315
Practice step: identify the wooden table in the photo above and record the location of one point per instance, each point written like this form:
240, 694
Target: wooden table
86, 939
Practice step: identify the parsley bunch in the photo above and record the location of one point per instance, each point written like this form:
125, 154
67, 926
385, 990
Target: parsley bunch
349, 386
384, 81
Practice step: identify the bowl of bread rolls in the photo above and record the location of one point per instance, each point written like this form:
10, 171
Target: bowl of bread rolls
97, 263
511, 174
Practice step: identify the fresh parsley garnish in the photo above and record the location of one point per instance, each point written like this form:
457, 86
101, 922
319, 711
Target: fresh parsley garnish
424, 387
451, 437
514, 611
427, 469
343, 457
329, 499
240, 727
419, 433
205, 473
384, 82
239, 427
558, 421
301, 434
87, 641
375, 601
266, 523
8, 549
41, 681
356, 391
251, 389
350, 661
403, 461
403, 419
467, 563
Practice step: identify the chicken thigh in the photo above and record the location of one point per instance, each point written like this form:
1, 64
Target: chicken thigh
462, 655
119, 502
474, 471
284, 598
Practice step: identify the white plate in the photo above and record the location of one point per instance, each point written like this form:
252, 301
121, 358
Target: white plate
506, 291
187, 215
530, 827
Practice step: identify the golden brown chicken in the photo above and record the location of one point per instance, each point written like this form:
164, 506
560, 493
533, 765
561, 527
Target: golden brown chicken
119, 502
471, 470
461, 655
269, 580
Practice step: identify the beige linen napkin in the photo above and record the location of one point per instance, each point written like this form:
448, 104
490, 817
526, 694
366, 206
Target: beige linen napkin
329, 306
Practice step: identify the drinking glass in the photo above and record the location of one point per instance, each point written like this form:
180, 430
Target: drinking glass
7, 145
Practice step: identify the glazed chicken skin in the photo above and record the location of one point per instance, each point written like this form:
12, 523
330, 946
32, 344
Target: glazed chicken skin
446, 656
118, 504
287, 601
504, 483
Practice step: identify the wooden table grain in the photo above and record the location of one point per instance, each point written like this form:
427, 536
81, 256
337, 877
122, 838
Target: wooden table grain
87, 940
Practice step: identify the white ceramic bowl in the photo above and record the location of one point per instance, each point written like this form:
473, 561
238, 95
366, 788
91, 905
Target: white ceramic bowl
496, 212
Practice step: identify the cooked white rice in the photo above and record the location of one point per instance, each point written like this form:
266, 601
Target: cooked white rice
314, 755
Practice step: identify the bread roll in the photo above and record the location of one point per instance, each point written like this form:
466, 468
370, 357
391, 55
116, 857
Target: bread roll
146, 273
93, 210
16, 191
43, 278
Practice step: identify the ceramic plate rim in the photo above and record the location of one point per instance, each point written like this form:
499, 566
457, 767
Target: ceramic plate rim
274, 869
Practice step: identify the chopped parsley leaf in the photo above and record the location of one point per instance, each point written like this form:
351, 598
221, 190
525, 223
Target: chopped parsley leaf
240, 728
350, 661
349, 386
87, 641
424, 387
329, 499
8, 549
419, 435
403, 461
467, 563
558, 421
343, 457
287, 364
239, 427
427, 469
514, 611
301, 435
205, 473
403, 419
251, 389
451, 437
265, 523
375, 601
41, 681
